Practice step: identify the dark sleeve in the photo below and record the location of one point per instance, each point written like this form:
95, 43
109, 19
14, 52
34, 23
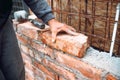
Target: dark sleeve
41, 9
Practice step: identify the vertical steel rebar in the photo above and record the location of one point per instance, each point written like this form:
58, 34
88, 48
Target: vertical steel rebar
106, 25
69, 10
86, 12
61, 10
79, 16
93, 18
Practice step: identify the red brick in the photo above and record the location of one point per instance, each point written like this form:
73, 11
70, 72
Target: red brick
38, 75
110, 77
29, 74
61, 78
43, 48
25, 57
56, 77
28, 30
48, 78
31, 53
28, 66
22, 39
28, 77
28, 61
37, 57
24, 48
61, 71
43, 69
84, 68
75, 45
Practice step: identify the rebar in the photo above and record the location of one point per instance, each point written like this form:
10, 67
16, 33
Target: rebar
95, 18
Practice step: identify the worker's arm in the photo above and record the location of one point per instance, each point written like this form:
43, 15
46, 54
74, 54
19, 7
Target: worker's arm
44, 12
41, 9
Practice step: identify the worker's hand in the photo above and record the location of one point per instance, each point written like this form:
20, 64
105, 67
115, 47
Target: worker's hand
57, 27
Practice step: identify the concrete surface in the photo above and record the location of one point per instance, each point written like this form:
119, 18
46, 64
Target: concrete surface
103, 61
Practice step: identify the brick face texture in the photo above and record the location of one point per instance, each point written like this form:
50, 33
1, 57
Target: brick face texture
61, 60
74, 45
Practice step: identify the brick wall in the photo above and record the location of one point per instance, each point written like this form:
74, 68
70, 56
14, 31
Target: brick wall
61, 60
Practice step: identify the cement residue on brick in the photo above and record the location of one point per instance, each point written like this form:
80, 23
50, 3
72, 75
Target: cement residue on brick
103, 61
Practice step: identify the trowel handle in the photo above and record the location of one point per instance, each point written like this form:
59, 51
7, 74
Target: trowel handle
37, 23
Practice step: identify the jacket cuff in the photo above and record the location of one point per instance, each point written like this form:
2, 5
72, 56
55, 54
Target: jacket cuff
47, 17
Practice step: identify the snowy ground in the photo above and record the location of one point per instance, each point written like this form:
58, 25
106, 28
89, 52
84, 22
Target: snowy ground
103, 60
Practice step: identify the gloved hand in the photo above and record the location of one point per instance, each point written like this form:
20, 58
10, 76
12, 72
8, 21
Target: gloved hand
57, 27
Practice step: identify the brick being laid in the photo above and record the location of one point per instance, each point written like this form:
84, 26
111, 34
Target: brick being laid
74, 45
